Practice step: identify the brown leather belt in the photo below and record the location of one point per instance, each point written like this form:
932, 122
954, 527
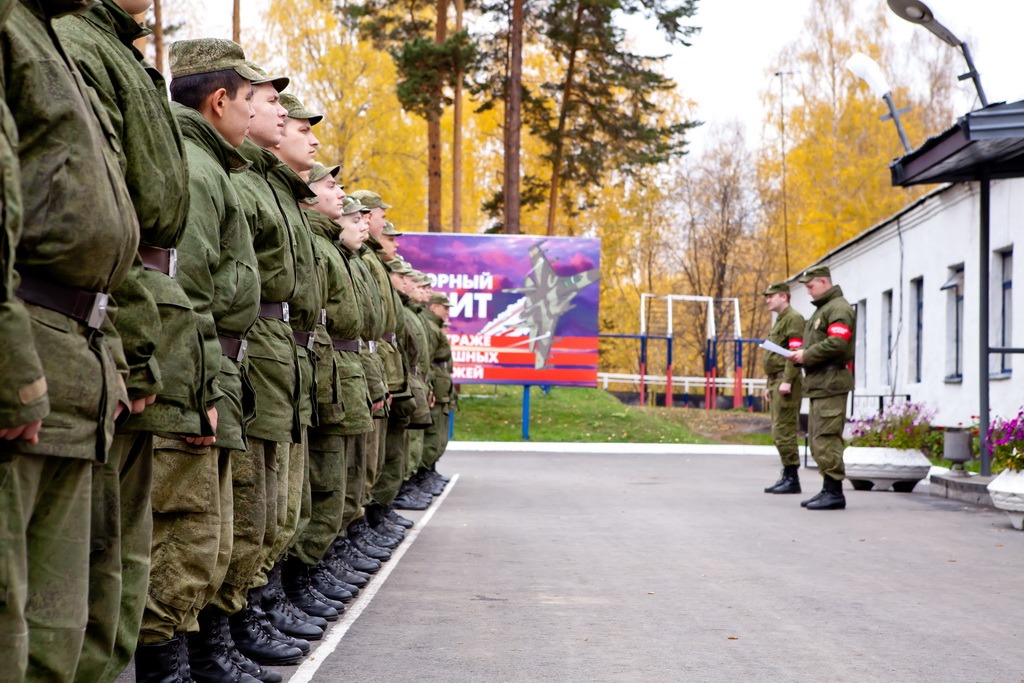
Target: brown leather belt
162, 260
278, 311
389, 337
88, 308
303, 339
354, 345
823, 368
233, 348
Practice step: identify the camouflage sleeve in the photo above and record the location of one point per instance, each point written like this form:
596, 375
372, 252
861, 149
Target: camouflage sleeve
137, 324
837, 346
794, 340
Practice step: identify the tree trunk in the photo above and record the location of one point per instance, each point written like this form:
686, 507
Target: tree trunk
460, 6
236, 22
556, 153
158, 36
513, 119
434, 132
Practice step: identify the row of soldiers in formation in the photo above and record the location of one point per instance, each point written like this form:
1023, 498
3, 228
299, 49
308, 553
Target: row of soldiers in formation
219, 378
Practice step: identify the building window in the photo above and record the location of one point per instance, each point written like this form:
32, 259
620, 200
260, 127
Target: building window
886, 339
954, 288
860, 351
1006, 311
917, 320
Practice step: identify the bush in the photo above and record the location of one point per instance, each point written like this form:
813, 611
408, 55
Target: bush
907, 425
1006, 443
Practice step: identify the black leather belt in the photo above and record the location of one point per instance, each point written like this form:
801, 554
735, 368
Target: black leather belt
162, 260
389, 337
233, 348
278, 311
303, 339
354, 345
88, 308
444, 364
823, 368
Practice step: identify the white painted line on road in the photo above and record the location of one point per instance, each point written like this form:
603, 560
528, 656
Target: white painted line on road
308, 669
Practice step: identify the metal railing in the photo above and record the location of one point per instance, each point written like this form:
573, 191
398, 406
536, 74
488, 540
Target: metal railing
680, 384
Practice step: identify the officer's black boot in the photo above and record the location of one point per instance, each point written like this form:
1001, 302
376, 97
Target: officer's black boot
789, 482
247, 665
161, 662
209, 651
295, 579
256, 603
362, 527
830, 498
328, 585
344, 571
253, 641
377, 518
365, 545
354, 557
285, 616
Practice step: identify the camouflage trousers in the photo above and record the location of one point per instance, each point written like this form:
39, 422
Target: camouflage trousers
415, 455
392, 474
328, 478
249, 501
785, 413
44, 565
293, 500
435, 437
121, 536
375, 458
192, 519
827, 418
355, 463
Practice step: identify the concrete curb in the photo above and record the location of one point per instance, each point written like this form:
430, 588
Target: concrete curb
618, 448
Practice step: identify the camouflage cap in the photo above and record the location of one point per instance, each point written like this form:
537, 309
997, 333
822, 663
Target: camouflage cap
279, 82
440, 299
777, 288
370, 200
297, 110
389, 229
813, 272
349, 206
400, 266
319, 172
206, 55
420, 278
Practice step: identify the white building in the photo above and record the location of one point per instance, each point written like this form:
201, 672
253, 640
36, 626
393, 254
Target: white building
913, 280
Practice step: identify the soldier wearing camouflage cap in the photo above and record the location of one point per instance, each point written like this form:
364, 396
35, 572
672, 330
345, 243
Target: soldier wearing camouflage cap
783, 392
828, 347
435, 437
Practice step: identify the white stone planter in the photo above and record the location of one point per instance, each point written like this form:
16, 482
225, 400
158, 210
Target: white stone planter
879, 468
1007, 492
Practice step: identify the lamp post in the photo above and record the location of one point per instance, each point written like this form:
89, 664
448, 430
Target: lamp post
916, 12
866, 69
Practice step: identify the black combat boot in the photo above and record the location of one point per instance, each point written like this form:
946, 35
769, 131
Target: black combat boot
789, 482
344, 571
362, 527
209, 651
329, 586
425, 482
286, 617
377, 518
399, 519
830, 498
295, 579
249, 666
162, 662
355, 558
253, 640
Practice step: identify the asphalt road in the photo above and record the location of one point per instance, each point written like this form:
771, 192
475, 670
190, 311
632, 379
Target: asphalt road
621, 567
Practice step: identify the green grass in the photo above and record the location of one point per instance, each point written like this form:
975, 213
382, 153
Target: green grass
494, 413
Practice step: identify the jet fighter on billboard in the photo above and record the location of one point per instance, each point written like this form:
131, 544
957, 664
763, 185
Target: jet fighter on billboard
547, 297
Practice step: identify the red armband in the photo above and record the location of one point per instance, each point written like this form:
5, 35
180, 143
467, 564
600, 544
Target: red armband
796, 343
840, 330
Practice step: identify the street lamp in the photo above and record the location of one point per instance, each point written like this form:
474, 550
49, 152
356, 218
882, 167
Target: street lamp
866, 69
916, 12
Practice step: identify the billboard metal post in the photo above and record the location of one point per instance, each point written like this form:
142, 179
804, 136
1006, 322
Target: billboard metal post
526, 412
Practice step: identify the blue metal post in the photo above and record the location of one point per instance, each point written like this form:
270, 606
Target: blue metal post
526, 412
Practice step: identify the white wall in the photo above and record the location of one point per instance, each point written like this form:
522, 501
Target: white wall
925, 240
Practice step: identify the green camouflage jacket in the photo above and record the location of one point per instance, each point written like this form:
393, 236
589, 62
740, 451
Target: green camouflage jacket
340, 377
161, 338
787, 332
304, 303
372, 305
217, 269
829, 346
394, 368
441, 358
86, 239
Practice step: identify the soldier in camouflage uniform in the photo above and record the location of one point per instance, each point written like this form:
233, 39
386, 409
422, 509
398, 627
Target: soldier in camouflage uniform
344, 399
62, 358
160, 339
784, 386
435, 438
192, 497
827, 351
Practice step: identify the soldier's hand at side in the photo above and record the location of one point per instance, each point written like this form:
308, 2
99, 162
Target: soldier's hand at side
138, 405
377, 406
785, 388
767, 394
797, 358
28, 431
205, 440
431, 399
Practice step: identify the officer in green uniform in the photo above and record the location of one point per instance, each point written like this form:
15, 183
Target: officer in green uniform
344, 405
828, 347
435, 438
77, 242
134, 98
784, 386
192, 495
